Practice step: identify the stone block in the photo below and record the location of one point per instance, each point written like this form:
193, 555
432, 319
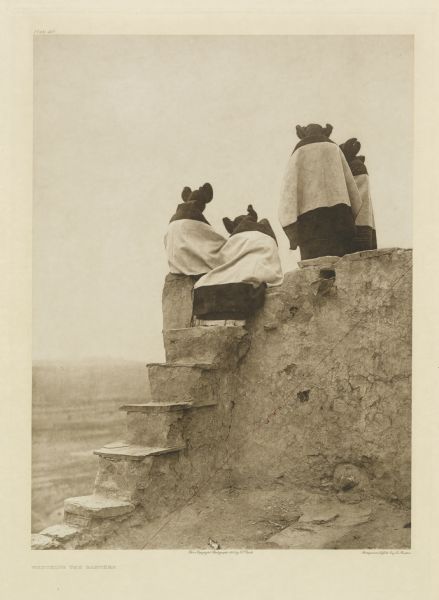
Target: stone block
123, 450
177, 301
156, 428
79, 521
218, 345
123, 479
218, 322
155, 407
351, 483
320, 262
276, 309
43, 542
347, 477
171, 383
363, 254
62, 532
98, 507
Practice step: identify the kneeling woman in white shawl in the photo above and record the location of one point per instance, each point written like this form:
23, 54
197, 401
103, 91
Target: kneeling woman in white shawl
236, 289
193, 247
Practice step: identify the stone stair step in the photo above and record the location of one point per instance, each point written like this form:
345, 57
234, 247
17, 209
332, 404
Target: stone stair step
219, 346
43, 542
156, 425
184, 382
218, 323
123, 450
97, 506
203, 366
154, 429
152, 407
61, 532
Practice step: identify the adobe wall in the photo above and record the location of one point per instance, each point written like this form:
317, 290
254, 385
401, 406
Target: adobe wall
325, 390
323, 397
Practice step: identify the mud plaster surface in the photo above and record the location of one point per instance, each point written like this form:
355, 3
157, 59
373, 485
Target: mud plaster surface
327, 379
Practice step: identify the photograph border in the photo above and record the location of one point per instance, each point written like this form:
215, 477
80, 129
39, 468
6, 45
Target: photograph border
372, 574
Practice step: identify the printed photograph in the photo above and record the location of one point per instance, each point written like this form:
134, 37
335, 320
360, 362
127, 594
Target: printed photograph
222, 292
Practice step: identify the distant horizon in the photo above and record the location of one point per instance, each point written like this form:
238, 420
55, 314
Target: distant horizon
93, 360
114, 359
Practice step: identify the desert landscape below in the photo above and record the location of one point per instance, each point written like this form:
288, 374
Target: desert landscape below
74, 411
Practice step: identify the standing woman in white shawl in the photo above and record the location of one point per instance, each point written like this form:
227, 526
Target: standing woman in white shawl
236, 288
365, 237
193, 247
320, 199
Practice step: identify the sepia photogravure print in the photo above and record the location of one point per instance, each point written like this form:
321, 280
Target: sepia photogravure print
222, 292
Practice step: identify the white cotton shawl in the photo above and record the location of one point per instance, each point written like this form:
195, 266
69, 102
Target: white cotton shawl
365, 216
193, 247
248, 257
317, 175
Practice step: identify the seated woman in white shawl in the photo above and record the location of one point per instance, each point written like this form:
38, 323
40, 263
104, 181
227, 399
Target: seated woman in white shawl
193, 247
365, 237
251, 261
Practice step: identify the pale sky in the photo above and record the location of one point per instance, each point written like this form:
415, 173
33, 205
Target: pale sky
123, 123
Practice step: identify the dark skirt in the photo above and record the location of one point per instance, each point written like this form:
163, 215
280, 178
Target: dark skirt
324, 231
227, 301
325, 247
365, 239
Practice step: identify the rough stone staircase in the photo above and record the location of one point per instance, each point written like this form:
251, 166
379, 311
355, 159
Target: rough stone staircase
199, 361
